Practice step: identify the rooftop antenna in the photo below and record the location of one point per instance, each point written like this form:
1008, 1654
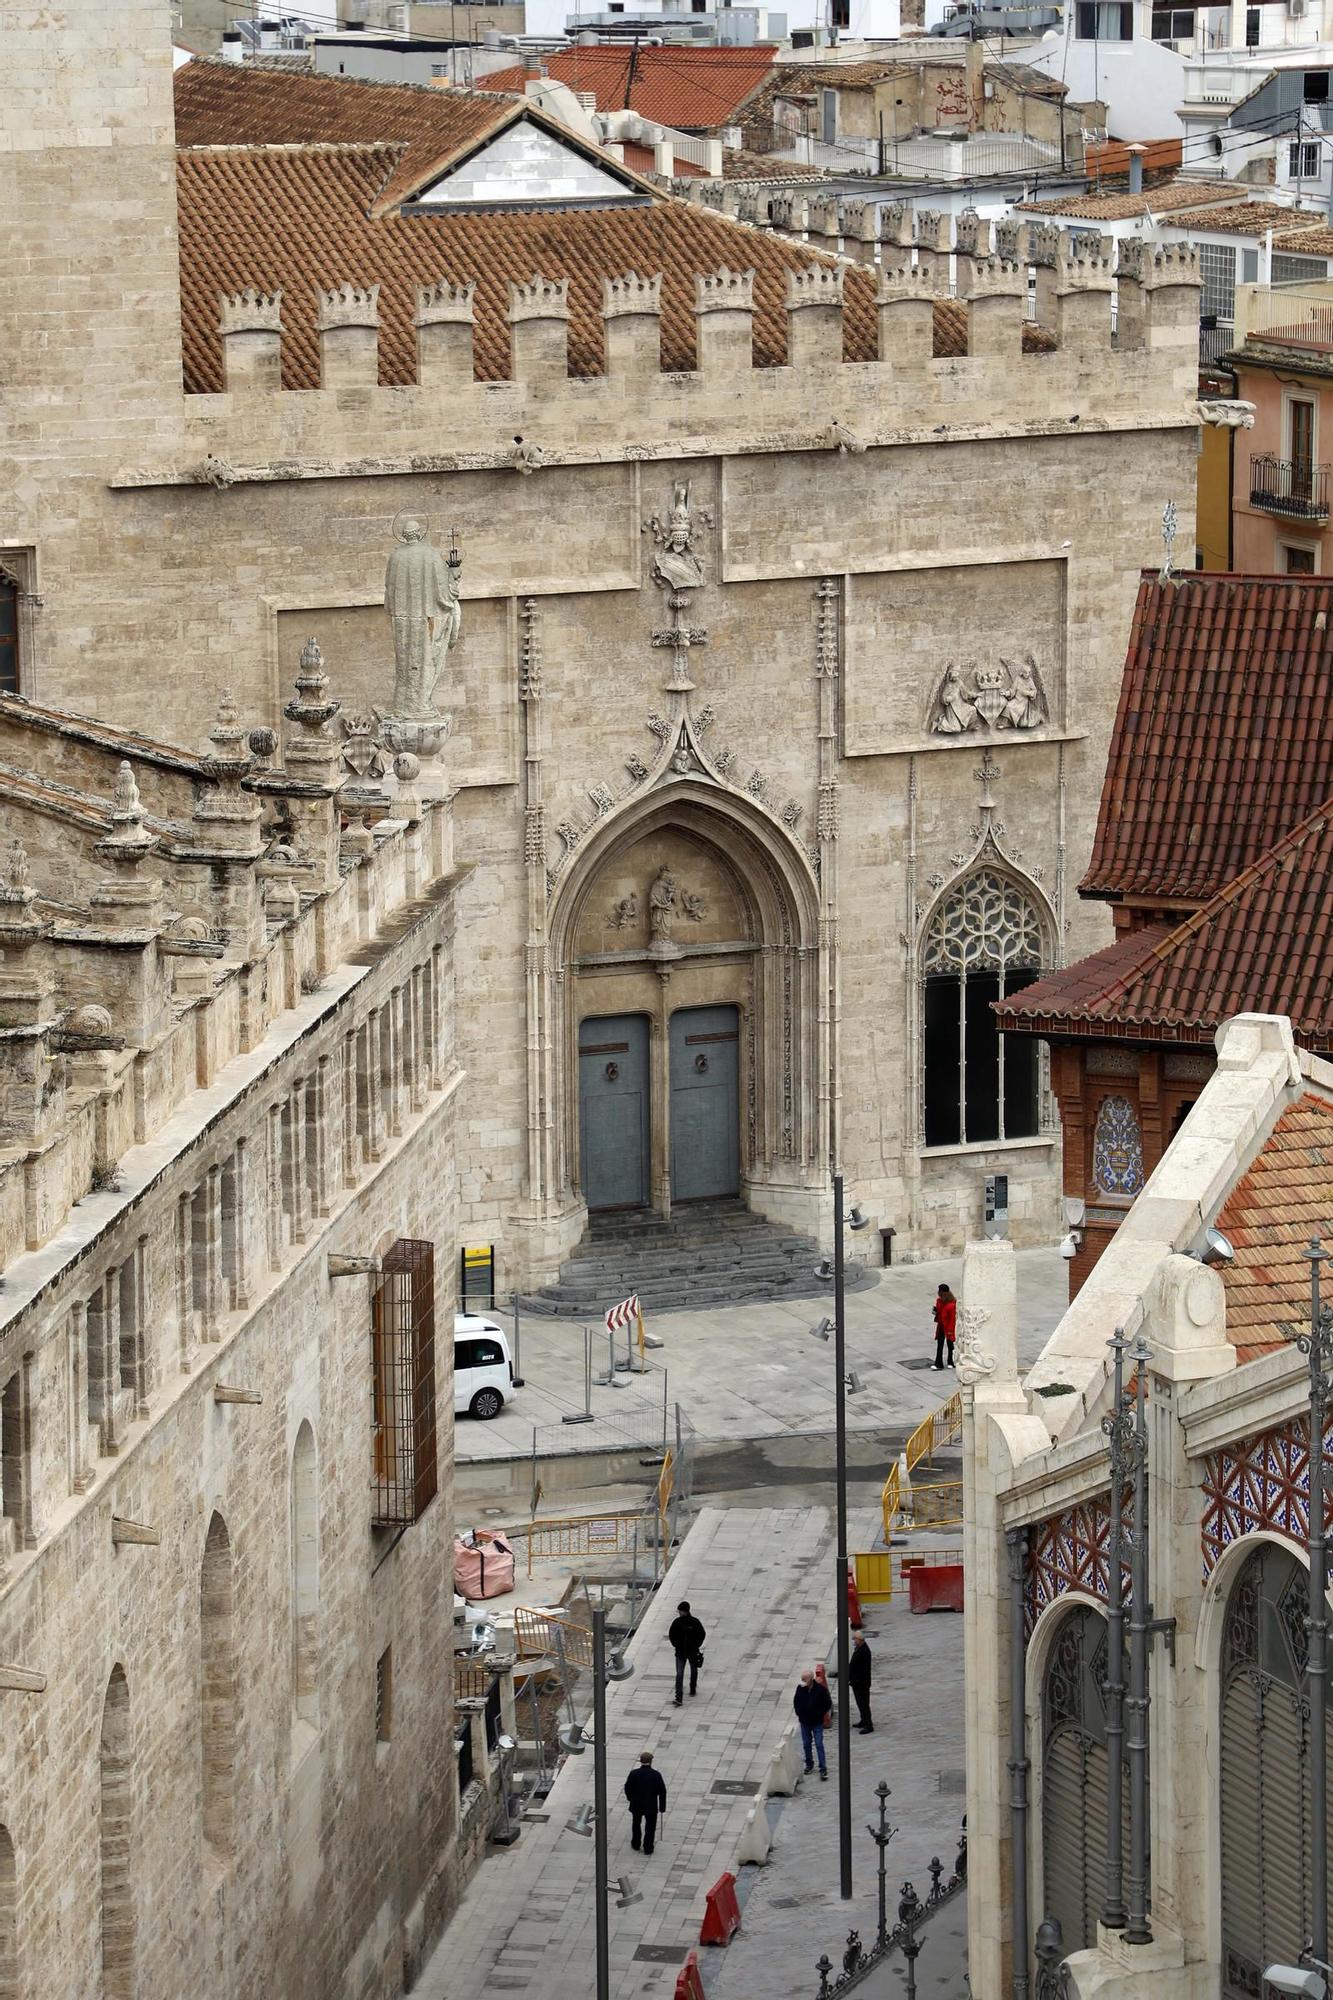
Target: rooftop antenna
1168, 541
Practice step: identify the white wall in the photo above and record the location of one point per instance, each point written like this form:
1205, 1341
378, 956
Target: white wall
1140, 82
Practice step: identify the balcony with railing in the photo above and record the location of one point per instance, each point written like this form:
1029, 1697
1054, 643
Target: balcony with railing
1298, 316
1290, 487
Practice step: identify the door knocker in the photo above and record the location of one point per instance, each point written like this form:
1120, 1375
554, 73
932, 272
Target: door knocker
612, 1072
701, 1064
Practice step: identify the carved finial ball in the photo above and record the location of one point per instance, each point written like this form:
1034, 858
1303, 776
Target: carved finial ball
189, 930
91, 1020
406, 767
263, 742
311, 657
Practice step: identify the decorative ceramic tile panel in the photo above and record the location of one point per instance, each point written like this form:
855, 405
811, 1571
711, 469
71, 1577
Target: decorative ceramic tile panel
1261, 1483
1117, 1149
1071, 1551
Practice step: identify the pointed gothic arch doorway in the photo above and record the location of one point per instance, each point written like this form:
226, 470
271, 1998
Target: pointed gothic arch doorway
688, 934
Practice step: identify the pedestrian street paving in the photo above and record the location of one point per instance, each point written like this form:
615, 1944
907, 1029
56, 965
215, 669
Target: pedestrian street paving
754, 1371
761, 1582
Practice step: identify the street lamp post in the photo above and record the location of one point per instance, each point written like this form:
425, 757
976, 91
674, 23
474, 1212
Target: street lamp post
882, 1835
1118, 1426
855, 1221
574, 1738
1317, 1346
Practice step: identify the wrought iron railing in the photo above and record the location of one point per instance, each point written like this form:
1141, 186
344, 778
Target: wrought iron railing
1292, 487
858, 1962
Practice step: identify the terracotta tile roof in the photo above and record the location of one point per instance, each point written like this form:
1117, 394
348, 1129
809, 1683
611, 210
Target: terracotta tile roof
1120, 205
1310, 242
1263, 944
1032, 82
694, 89
1250, 218
1268, 1219
299, 218
1223, 738
1158, 155
239, 104
738, 164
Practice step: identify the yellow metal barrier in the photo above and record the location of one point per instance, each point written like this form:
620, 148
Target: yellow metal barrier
941, 1427
535, 1633
581, 1535
874, 1575
934, 1506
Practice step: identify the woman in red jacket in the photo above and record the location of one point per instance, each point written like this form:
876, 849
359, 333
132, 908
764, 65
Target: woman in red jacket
946, 1321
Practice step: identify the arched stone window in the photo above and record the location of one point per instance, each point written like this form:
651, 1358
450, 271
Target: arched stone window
983, 942
115, 1841
305, 1590
1117, 1150
217, 1688
9, 1932
9, 633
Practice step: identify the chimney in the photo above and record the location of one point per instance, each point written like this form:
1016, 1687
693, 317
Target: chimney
1136, 153
233, 48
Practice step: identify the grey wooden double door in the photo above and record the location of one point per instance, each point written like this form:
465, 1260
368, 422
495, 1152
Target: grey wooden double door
700, 1106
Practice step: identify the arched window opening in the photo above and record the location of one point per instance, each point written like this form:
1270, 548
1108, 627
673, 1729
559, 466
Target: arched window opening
217, 1690
9, 1931
1264, 1770
1074, 1777
983, 944
9, 633
1117, 1150
115, 1837
305, 1589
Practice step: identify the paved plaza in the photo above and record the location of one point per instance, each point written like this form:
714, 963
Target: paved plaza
755, 1371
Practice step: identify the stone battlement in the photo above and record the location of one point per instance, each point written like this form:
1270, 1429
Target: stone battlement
876, 333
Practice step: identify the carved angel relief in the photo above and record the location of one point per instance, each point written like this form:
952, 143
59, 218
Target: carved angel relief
999, 697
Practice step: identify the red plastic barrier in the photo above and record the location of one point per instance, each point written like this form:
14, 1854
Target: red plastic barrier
936, 1587
689, 1984
722, 1913
853, 1603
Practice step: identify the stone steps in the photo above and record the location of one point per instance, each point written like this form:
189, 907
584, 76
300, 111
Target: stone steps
708, 1254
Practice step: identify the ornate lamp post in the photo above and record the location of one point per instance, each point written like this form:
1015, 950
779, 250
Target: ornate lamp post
1317, 1346
1119, 1429
855, 1221
881, 1836
909, 1910
1141, 1629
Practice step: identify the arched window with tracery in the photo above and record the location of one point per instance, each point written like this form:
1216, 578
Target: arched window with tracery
983, 943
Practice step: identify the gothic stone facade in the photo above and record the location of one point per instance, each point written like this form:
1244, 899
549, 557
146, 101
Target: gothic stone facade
906, 589
225, 1467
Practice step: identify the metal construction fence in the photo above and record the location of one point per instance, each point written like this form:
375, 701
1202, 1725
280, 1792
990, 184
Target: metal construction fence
898, 1501
881, 1572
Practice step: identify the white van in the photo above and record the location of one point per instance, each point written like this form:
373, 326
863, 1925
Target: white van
483, 1371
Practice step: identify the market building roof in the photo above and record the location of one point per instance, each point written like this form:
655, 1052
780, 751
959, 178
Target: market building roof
1261, 945
1284, 1199
1223, 738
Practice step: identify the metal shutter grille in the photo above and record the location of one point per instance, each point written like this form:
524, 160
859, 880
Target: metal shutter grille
1073, 1828
1244, 1842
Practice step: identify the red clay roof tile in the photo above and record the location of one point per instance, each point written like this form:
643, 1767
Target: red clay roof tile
690, 89
1223, 739
1263, 944
1270, 1215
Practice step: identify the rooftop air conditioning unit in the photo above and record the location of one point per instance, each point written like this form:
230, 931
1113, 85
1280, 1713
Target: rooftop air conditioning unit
1296, 9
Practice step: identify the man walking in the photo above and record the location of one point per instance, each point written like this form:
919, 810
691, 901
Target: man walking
946, 1323
814, 1705
687, 1636
858, 1680
646, 1791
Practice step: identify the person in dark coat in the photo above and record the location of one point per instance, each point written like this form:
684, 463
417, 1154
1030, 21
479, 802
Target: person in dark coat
645, 1789
946, 1324
814, 1705
858, 1680
687, 1636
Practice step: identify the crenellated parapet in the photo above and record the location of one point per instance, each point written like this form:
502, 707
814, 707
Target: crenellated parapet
444, 319
539, 323
724, 320
859, 230
814, 317
996, 308
250, 323
921, 322
348, 323
632, 317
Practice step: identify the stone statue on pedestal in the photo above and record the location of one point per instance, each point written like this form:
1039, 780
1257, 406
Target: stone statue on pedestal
421, 598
